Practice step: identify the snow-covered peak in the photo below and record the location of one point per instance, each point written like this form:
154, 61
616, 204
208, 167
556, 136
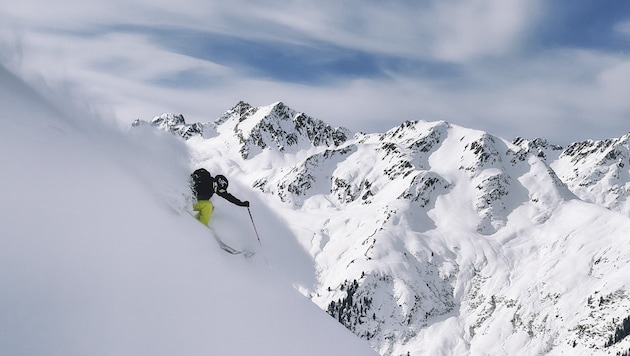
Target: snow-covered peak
599, 152
278, 127
239, 111
540, 147
598, 171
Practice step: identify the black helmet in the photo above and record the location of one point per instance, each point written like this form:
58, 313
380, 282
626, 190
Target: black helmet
201, 172
222, 183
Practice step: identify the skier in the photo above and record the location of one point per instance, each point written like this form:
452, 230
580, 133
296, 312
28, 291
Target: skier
204, 186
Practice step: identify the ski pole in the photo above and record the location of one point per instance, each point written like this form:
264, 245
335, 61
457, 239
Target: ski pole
256, 231
254, 225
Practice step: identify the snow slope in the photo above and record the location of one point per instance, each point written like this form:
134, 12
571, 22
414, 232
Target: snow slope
98, 255
437, 239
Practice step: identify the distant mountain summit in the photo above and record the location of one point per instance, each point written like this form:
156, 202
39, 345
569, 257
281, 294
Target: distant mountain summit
432, 238
173, 123
278, 127
596, 171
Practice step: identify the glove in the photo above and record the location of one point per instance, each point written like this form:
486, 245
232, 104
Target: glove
246, 204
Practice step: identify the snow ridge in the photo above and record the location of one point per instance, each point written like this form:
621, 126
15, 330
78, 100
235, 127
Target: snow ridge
279, 127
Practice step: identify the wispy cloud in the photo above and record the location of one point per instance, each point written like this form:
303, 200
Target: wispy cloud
510, 67
623, 28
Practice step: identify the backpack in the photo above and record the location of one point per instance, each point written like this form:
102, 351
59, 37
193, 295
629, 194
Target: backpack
202, 184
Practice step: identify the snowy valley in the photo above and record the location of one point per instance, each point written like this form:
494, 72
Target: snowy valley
435, 239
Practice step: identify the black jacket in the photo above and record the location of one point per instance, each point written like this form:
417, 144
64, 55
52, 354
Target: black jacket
232, 199
203, 186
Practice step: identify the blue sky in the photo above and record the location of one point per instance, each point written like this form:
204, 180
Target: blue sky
554, 69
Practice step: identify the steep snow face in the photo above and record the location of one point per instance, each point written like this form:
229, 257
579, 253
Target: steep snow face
98, 255
437, 239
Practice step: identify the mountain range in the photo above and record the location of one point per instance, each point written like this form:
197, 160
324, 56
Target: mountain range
436, 239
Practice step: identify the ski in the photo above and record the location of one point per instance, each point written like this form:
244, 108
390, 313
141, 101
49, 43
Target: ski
229, 249
225, 247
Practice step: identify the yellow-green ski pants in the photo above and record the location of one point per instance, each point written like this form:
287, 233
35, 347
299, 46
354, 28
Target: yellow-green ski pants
204, 207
